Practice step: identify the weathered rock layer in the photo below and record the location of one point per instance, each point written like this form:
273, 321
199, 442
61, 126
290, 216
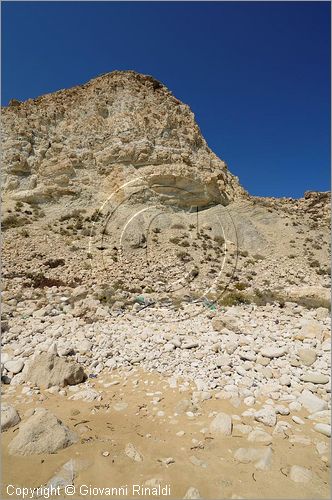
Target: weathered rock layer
88, 140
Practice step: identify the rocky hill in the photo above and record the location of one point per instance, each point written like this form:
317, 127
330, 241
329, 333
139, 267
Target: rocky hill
116, 176
173, 321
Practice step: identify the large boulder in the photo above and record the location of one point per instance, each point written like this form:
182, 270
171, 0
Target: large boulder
43, 432
9, 417
47, 370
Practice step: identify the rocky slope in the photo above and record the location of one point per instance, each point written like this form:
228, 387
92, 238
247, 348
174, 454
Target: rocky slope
139, 274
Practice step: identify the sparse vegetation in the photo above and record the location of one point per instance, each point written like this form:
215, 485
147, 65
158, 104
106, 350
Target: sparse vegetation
13, 220
53, 263
71, 215
185, 243
175, 240
183, 256
313, 302
314, 263
219, 239
240, 286
18, 206
39, 280
25, 233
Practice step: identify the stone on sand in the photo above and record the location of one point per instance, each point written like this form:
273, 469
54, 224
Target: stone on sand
41, 433
47, 370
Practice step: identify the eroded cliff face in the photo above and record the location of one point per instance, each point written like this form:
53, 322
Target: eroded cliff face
81, 144
113, 181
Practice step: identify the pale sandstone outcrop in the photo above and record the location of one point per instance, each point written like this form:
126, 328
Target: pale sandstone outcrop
47, 370
91, 139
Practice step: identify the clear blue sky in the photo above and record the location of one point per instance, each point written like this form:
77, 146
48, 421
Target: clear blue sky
256, 74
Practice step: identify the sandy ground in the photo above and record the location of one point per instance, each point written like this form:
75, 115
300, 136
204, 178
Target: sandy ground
104, 427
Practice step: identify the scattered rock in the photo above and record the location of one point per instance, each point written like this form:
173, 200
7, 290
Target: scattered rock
68, 473
219, 323
223, 360
197, 461
323, 416
247, 355
46, 370
260, 457
166, 461
307, 356
322, 313
14, 366
260, 436
84, 346
242, 428
315, 378
189, 345
311, 329
323, 429
285, 380
9, 417
121, 406
86, 395
297, 420
322, 448
183, 406
221, 424
300, 474
273, 351
266, 416
153, 482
